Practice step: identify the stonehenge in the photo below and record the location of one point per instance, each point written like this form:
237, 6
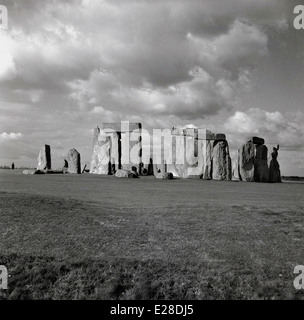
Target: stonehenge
180, 152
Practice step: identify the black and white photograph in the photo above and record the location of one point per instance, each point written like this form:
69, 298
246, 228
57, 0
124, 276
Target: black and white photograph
151, 151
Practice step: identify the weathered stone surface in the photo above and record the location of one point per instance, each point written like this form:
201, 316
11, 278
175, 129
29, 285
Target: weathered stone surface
207, 169
106, 154
274, 167
120, 173
44, 158
191, 157
177, 167
116, 146
221, 162
194, 158
255, 140
246, 161
220, 136
261, 172
73, 158
164, 176
65, 166
235, 168
131, 150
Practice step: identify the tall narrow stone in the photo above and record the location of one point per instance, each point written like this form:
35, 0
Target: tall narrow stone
44, 158
246, 161
261, 172
105, 157
221, 162
274, 167
73, 158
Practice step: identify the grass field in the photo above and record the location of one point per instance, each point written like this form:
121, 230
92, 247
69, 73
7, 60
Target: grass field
100, 237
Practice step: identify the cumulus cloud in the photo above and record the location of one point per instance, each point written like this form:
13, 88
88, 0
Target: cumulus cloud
275, 127
11, 136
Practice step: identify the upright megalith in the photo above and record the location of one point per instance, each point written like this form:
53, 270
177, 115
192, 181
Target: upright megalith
44, 158
73, 159
274, 167
65, 166
117, 146
246, 161
235, 168
221, 161
261, 172
252, 160
191, 152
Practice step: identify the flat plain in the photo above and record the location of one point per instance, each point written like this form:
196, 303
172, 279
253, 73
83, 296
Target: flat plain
100, 237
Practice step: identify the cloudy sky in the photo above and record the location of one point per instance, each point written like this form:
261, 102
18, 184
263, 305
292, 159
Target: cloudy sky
232, 66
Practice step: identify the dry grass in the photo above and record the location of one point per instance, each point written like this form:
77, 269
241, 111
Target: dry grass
89, 237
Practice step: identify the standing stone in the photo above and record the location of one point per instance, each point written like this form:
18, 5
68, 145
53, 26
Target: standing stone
73, 159
177, 167
207, 175
44, 158
147, 168
191, 153
65, 166
246, 161
274, 168
261, 172
105, 157
221, 162
235, 168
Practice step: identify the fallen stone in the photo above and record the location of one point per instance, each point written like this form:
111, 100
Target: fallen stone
164, 176
121, 173
73, 158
